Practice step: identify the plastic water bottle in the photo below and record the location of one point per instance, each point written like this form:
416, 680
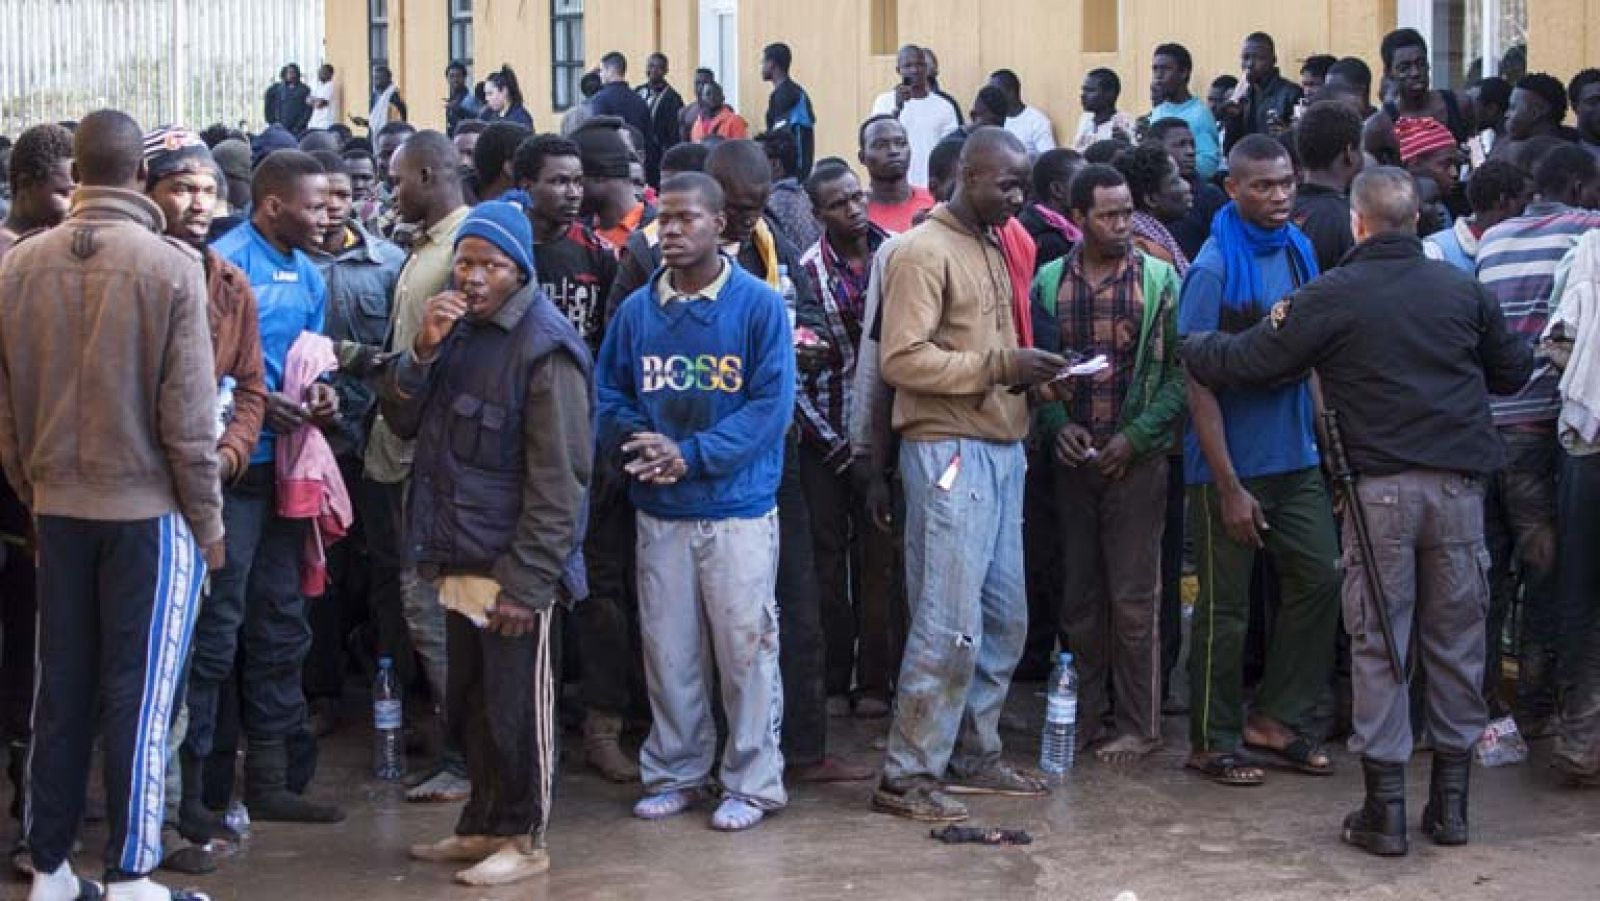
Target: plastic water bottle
786, 288
1058, 745
238, 819
388, 738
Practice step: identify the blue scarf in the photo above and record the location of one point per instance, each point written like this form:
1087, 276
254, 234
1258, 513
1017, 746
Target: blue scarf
1242, 243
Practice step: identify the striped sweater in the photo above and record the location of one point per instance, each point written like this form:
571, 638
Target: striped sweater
1517, 262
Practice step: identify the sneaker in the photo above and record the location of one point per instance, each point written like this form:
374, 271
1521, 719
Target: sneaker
999, 778
922, 801
445, 786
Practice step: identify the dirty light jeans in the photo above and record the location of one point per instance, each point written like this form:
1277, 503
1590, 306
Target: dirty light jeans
708, 609
969, 606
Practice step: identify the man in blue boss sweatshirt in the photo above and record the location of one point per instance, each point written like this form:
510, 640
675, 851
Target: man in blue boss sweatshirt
696, 389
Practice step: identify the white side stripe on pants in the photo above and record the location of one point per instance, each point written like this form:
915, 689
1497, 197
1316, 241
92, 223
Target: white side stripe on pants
544, 713
172, 616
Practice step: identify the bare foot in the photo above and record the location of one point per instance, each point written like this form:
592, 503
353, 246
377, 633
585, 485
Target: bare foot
1264, 731
1126, 749
458, 849
1265, 734
831, 769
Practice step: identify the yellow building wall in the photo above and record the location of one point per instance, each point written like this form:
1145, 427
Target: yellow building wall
1042, 40
1563, 36
419, 28
345, 48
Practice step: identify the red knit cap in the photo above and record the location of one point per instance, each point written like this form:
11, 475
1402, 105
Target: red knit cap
1421, 134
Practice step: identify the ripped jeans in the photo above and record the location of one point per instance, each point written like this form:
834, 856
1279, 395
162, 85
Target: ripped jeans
969, 605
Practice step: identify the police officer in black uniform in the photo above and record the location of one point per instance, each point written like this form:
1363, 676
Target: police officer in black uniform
1408, 351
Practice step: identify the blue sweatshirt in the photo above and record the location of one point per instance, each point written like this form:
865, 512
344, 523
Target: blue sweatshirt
291, 298
716, 376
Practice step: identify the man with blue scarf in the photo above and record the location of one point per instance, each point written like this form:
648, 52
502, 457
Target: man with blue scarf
1252, 467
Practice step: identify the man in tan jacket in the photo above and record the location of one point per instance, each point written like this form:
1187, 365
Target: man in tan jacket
108, 434
951, 350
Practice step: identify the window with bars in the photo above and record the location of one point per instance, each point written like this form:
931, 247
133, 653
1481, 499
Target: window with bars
377, 33
566, 56
461, 31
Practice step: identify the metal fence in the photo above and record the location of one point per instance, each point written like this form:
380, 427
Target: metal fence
195, 62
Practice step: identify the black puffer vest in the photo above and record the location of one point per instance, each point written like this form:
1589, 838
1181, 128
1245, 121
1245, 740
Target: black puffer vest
466, 483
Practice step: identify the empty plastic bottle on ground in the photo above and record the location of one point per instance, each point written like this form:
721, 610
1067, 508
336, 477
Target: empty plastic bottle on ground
1058, 745
388, 736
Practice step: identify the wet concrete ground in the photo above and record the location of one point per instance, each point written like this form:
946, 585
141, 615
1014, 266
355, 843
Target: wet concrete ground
1156, 831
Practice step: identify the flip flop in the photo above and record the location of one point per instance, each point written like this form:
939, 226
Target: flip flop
1225, 769
1295, 756
666, 804
736, 815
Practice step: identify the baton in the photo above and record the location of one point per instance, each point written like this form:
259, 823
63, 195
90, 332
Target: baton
1358, 520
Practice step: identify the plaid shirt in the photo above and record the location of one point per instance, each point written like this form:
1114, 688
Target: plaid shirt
824, 399
1102, 318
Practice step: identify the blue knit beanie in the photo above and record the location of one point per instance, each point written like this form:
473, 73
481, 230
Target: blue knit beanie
505, 226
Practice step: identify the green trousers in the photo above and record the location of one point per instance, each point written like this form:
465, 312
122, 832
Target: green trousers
1300, 646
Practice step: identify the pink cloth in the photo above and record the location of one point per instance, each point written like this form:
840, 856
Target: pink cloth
309, 484
1059, 222
1019, 250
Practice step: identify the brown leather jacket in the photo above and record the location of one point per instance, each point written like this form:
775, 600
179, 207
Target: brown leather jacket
236, 343
107, 393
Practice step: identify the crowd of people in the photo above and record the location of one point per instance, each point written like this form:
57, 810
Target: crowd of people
597, 428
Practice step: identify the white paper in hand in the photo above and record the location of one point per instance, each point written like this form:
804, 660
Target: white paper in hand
1090, 367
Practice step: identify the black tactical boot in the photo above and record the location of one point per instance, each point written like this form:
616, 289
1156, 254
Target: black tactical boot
1379, 827
1445, 818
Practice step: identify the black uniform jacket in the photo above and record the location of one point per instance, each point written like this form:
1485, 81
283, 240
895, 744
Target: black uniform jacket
1407, 349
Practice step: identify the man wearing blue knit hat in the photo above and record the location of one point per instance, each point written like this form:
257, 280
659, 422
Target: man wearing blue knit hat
496, 389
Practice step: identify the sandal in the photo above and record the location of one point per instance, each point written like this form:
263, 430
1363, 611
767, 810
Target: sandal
736, 815
923, 802
1296, 756
999, 778
666, 804
1226, 769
